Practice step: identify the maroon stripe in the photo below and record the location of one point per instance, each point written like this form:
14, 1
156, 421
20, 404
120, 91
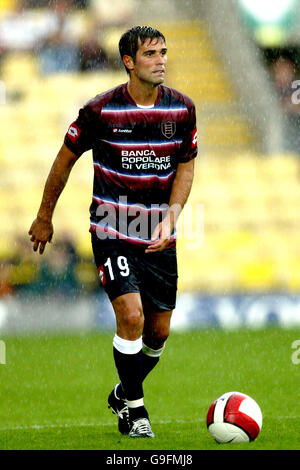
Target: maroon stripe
133, 181
115, 235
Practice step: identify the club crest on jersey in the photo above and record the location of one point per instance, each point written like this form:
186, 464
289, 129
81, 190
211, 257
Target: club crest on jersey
168, 129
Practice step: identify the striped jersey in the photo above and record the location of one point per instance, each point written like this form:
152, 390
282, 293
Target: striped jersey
136, 151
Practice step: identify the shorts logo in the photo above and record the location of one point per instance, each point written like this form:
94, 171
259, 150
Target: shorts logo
73, 132
194, 138
168, 129
102, 275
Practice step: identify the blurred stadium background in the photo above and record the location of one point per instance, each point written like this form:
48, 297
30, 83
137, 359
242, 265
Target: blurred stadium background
238, 60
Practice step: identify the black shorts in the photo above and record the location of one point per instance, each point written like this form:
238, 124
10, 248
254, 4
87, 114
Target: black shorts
125, 268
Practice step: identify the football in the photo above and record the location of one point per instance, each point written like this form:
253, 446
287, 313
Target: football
234, 417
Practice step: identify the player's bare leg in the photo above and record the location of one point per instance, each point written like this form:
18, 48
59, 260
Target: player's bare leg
156, 328
129, 316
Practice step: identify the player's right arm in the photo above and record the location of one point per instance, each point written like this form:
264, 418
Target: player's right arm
41, 230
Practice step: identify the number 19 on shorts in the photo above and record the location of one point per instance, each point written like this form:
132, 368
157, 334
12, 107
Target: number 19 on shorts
113, 269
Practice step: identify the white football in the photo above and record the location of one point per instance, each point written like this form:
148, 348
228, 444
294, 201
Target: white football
234, 417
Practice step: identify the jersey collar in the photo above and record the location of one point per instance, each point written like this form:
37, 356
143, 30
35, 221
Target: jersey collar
128, 97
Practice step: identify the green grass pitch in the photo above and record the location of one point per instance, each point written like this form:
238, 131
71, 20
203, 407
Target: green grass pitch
54, 390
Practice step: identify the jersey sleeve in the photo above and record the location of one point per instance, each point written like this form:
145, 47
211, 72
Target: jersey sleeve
188, 149
80, 135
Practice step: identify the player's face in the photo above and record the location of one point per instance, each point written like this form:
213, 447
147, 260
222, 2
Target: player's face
150, 61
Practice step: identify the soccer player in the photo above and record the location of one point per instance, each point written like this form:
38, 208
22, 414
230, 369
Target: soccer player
144, 141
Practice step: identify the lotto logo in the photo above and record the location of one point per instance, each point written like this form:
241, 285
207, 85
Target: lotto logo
194, 138
73, 132
102, 275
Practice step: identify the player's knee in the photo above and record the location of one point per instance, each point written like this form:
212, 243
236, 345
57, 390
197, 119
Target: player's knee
156, 338
134, 319
162, 332
129, 316
131, 322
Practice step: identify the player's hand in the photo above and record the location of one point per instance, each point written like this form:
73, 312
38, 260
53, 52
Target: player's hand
41, 232
162, 232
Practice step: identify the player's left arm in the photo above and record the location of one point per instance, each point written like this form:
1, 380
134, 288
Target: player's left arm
179, 194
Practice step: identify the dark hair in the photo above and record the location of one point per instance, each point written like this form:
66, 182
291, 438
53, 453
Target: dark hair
128, 44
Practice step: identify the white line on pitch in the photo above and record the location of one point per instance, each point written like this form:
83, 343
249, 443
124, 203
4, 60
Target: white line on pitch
69, 425
112, 423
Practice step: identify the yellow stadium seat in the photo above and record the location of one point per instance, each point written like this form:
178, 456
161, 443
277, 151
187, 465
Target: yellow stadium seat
257, 275
19, 68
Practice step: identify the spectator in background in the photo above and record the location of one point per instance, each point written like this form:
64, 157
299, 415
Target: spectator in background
22, 267
22, 30
82, 4
60, 11
52, 36
57, 55
57, 272
284, 73
18, 30
6, 286
62, 52
2, 55
91, 54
